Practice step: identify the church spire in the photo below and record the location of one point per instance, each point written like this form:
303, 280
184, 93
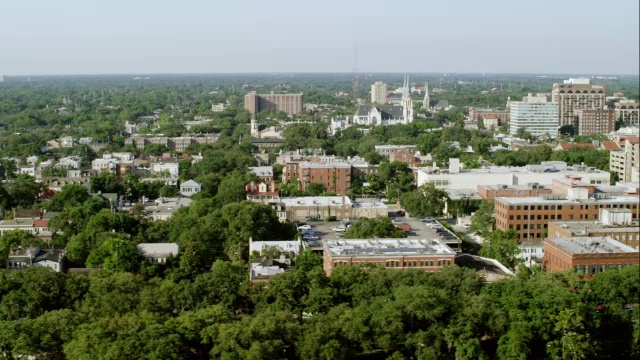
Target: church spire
427, 100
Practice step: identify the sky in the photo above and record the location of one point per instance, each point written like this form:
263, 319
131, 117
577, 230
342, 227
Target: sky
45, 37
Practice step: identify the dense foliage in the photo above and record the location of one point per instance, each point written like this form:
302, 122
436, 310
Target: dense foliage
303, 314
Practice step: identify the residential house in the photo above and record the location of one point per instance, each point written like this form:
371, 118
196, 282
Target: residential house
158, 253
189, 188
19, 258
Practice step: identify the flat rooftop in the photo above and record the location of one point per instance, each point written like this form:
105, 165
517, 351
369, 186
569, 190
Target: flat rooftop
543, 201
323, 165
516, 187
592, 245
386, 247
547, 167
315, 201
262, 170
369, 205
586, 227
459, 194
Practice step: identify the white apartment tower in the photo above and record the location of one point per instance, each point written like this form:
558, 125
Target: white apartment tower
379, 93
535, 115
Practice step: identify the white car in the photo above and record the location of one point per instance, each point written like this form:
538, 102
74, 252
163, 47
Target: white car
304, 227
339, 228
434, 226
384, 200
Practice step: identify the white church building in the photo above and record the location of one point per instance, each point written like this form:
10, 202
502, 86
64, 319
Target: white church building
373, 115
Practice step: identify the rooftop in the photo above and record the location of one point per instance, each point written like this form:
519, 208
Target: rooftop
592, 245
262, 170
316, 201
583, 228
516, 187
460, 194
545, 167
158, 249
386, 247
561, 200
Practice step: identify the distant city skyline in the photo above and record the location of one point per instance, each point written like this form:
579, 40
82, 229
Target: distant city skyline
74, 37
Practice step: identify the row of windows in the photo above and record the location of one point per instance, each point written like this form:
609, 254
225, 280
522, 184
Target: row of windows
594, 269
582, 207
396, 263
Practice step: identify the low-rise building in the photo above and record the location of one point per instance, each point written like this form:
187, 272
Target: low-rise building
530, 216
387, 150
590, 255
477, 114
402, 254
628, 234
531, 253
22, 258
190, 187
164, 208
263, 193
158, 253
319, 207
265, 173
489, 192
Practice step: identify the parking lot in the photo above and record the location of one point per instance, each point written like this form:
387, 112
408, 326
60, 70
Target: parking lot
323, 230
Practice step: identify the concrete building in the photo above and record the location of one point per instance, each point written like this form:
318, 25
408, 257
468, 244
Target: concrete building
463, 179
628, 234
379, 93
403, 254
628, 111
535, 115
626, 161
595, 121
289, 103
158, 253
319, 207
577, 94
590, 255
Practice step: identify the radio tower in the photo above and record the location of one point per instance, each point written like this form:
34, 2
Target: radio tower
356, 84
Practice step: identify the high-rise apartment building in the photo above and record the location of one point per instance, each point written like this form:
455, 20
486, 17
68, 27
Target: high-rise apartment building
626, 161
289, 103
379, 93
628, 111
595, 121
535, 115
577, 94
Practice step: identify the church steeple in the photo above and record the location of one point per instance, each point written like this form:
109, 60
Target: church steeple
254, 127
427, 100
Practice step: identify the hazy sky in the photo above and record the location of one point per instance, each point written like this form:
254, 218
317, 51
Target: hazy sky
211, 36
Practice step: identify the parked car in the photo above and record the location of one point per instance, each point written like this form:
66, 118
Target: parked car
384, 200
428, 219
466, 226
339, 228
401, 212
397, 221
310, 238
307, 232
304, 227
434, 226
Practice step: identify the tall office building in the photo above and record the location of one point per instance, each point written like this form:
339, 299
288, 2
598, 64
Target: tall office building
379, 93
577, 94
535, 115
289, 103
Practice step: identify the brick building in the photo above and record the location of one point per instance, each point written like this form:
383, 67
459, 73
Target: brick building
590, 255
595, 121
401, 254
488, 192
530, 216
289, 103
476, 114
627, 111
334, 176
627, 234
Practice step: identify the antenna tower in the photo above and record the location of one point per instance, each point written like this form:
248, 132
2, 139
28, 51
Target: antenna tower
356, 83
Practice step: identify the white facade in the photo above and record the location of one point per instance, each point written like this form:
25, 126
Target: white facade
379, 93
462, 179
171, 167
101, 165
70, 162
535, 115
189, 188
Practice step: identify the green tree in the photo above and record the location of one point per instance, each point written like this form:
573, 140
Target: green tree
502, 246
23, 191
427, 200
483, 220
380, 227
115, 254
69, 195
